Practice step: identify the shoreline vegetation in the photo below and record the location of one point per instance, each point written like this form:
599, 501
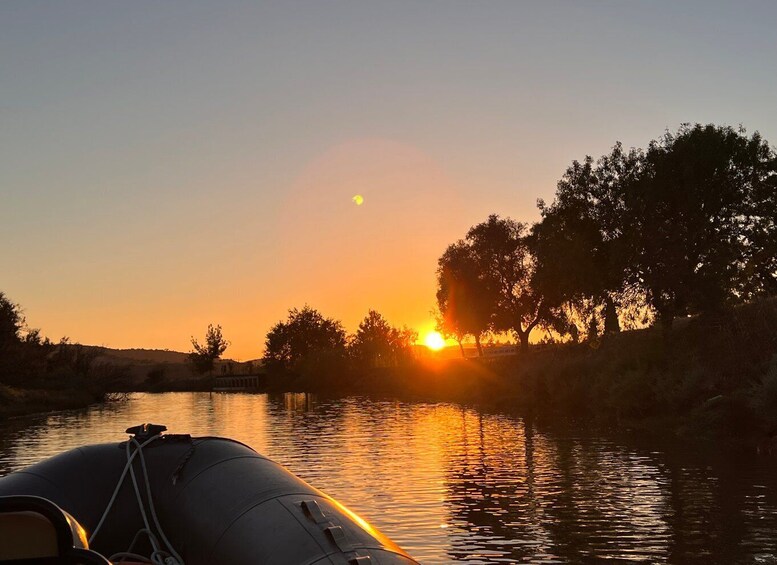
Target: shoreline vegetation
714, 380
652, 276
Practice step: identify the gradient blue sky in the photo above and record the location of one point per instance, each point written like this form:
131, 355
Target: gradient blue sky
164, 165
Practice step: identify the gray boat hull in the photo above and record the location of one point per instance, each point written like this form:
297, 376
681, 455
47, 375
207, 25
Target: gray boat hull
218, 501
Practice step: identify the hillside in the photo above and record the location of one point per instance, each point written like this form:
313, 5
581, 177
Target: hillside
145, 355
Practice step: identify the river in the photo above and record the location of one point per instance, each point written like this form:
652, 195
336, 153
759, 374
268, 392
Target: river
454, 483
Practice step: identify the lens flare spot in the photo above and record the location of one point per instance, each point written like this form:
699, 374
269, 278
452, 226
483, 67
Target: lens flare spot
434, 341
358, 199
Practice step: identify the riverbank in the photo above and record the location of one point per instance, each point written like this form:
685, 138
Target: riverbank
22, 402
711, 378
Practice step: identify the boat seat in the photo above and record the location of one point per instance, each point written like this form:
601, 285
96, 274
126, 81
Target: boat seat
35, 530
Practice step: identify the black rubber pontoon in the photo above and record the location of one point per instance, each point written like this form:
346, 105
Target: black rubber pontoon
216, 500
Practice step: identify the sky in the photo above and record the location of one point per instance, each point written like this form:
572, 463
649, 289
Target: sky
166, 165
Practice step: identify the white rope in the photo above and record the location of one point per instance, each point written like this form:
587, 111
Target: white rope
118, 487
158, 555
152, 539
169, 545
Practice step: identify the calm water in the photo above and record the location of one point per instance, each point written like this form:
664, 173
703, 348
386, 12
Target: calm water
450, 483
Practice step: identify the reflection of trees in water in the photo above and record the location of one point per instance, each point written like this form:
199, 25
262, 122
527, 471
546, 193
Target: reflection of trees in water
15, 434
532, 500
603, 501
488, 481
209, 409
724, 511
296, 401
517, 494
29, 439
529, 495
299, 431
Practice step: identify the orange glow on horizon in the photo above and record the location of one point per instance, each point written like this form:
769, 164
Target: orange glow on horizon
318, 246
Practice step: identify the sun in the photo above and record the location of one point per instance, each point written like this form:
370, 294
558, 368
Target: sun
434, 341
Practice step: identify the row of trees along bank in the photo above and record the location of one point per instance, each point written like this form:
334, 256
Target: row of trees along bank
38, 374
307, 342
686, 226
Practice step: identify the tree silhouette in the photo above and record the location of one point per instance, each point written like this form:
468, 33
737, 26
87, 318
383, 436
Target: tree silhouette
23, 351
686, 226
378, 344
203, 356
466, 306
304, 335
11, 323
507, 265
700, 220
582, 255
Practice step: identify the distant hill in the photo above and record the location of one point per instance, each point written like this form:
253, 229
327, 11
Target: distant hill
152, 356
146, 355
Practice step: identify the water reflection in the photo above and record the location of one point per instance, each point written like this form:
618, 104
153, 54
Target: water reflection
454, 484
523, 495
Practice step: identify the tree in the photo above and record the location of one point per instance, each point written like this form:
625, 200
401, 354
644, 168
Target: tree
11, 323
700, 220
582, 256
506, 263
378, 344
305, 335
203, 356
464, 303
686, 226
24, 351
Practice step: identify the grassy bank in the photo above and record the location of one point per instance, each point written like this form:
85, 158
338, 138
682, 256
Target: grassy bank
15, 401
19, 402
713, 376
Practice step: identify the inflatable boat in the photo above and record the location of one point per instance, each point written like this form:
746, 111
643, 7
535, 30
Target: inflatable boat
172, 499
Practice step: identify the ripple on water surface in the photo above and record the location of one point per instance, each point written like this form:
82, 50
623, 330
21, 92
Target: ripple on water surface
450, 483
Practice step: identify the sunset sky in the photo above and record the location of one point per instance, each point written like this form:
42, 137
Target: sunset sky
165, 165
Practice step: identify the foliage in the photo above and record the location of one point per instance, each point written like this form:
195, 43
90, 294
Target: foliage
506, 263
203, 356
465, 306
43, 375
73, 358
580, 249
155, 376
487, 283
686, 226
11, 323
582, 256
700, 220
304, 336
23, 351
378, 344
